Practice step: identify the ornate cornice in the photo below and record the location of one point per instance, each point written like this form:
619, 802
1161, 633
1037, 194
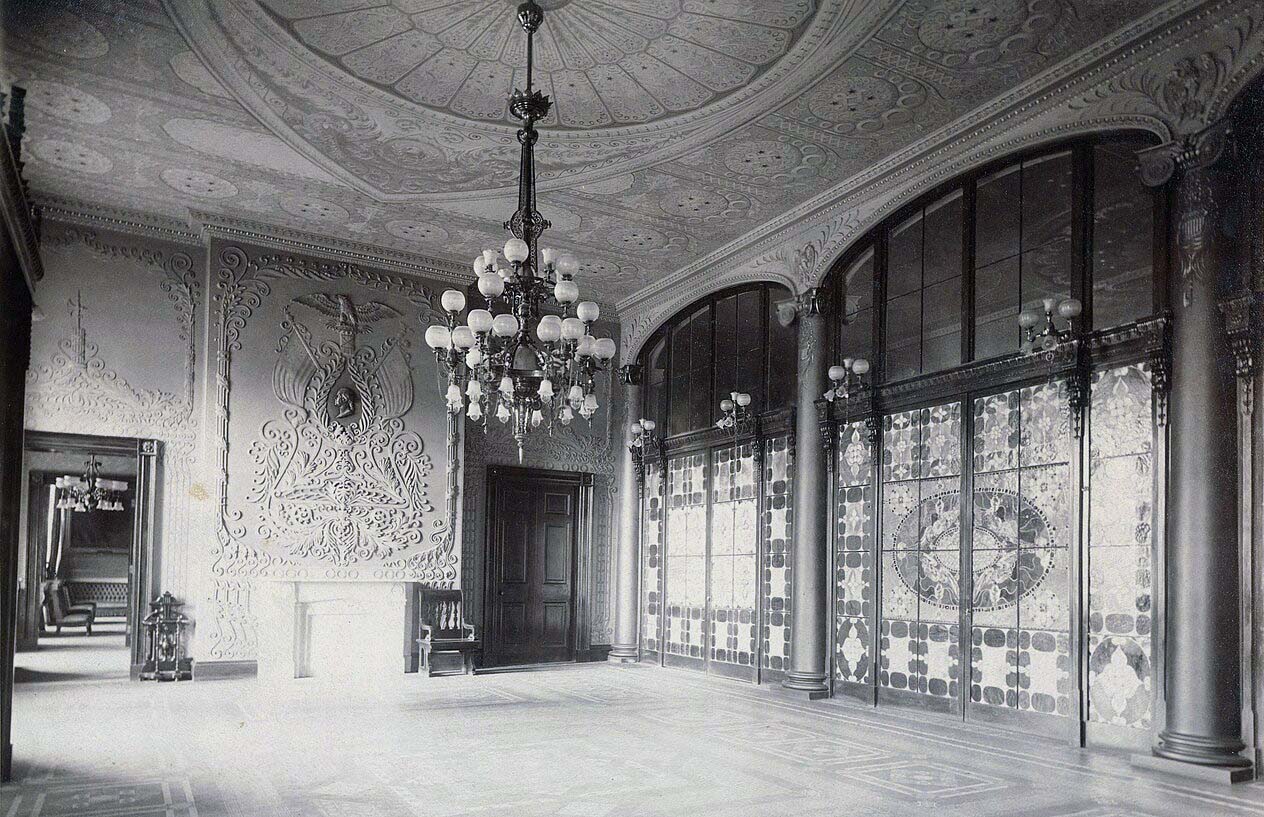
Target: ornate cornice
290, 239
116, 220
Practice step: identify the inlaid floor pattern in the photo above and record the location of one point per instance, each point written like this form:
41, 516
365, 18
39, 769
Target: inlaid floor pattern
595, 741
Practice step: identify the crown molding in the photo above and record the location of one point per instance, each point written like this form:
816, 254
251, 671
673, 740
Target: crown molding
1096, 65
116, 220
287, 238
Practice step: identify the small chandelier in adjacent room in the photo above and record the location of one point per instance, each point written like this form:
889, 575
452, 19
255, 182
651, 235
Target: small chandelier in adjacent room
515, 363
90, 492
1049, 336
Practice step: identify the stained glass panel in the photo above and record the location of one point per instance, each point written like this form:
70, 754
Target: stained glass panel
778, 544
1120, 673
651, 550
1020, 554
685, 555
921, 556
854, 555
734, 548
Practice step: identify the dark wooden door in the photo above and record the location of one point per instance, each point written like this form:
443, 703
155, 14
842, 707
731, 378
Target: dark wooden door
532, 569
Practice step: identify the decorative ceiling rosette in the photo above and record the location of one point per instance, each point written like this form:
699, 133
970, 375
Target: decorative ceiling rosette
406, 100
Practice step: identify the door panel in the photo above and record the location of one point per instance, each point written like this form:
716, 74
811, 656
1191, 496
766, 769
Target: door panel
733, 562
533, 552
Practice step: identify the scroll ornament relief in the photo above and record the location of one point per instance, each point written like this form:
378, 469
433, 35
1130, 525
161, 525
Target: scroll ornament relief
338, 479
242, 282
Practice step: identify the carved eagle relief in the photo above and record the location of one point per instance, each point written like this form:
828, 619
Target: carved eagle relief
337, 477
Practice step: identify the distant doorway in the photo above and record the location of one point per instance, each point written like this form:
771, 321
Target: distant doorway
87, 552
533, 539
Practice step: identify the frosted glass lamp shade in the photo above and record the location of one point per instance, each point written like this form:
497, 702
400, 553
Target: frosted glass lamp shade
463, 337
480, 266
726, 405
566, 292
1070, 308
438, 337
549, 329
491, 285
453, 300
743, 399
604, 348
637, 428
648, 425
516, 250
548, 255
860, 366
572, 329
504, 325
1028, 318
480, 320
567, 265
587, 311
489, 258
837, 373
585, 346
473, 358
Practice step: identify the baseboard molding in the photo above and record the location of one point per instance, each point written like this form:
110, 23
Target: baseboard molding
224, 670
597, 652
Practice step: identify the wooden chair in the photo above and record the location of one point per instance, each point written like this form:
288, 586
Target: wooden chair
447, 643
58, 611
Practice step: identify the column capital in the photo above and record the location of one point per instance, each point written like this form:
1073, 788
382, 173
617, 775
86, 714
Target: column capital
630, 374
1192, 152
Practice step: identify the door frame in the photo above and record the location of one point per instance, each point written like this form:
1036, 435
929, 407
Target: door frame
581, 555
143, 567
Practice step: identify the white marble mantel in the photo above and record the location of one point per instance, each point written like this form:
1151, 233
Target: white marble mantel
338, 630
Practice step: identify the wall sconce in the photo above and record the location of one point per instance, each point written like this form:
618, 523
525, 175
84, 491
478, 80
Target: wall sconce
847, 378
1048, 338
643, 444
736, 411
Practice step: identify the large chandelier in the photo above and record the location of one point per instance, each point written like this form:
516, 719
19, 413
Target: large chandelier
90, 492
512, 359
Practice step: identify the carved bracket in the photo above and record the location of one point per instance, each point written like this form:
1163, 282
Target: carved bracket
1160, 356
826, 424
1242, 326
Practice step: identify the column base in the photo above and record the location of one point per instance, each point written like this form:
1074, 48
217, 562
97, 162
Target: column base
1195, 771
623, 654
814, 685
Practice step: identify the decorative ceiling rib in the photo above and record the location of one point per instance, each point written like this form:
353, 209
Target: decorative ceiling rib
683, 129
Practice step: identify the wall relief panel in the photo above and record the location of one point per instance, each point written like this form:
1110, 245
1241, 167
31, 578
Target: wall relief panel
323, 454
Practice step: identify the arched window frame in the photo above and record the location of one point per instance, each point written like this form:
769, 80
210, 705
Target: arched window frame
1082, 204
771, 293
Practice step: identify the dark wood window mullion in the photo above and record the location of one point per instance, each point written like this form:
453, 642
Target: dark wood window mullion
967, 271
1082, 232
880, 306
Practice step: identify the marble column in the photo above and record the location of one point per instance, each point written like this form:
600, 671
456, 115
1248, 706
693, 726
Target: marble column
625, 649
808, 665
1203, 728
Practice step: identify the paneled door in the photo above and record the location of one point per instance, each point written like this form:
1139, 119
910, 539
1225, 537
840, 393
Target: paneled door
531, 569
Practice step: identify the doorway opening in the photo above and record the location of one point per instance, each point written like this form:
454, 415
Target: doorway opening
85, 556
537, 537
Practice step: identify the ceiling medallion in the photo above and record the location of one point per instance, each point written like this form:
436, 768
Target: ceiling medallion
519, 359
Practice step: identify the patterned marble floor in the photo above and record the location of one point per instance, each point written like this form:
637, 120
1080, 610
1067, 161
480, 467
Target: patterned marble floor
592, 741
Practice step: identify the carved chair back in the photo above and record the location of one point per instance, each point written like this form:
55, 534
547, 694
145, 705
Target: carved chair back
442, 616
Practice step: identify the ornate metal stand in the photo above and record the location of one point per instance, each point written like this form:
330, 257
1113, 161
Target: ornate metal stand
165, 639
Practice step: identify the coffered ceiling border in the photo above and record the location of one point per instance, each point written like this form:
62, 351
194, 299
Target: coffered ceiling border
1121, 83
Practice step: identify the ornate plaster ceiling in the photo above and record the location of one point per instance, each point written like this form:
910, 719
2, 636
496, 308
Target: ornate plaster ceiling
679, 126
